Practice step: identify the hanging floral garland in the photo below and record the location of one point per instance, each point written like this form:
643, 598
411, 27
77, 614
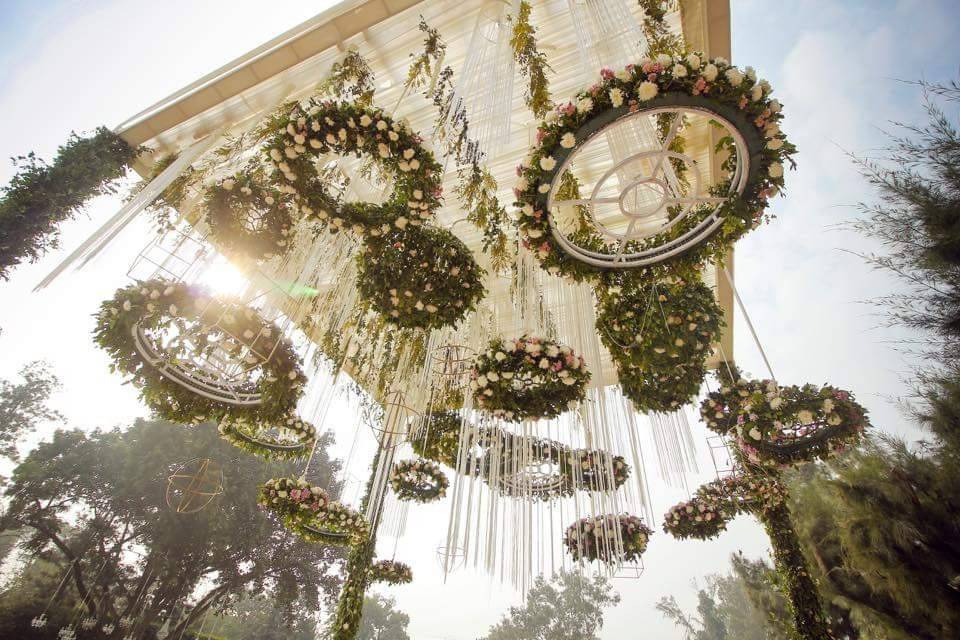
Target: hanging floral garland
307, 511
528, 379
784, 425
690, 80
420, 480
391, 572
248, 218
420, 277
716, 503
319, 127
169, 383
284, 440
611, 539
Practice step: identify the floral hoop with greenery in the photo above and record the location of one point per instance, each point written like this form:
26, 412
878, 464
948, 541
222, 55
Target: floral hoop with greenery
307, 511
690, 80
336, 525
597, 470
716, 503
292, 498
419, 480
438, 439
319, 127
391, 572
598, 538
170, 382
784, 425
422, 277
248, 218
285, 440
528, 379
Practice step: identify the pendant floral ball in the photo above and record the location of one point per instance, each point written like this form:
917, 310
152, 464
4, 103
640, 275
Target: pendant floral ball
310, 131
391, 572
248, 218
283, 440
716, 503
686, 80
528, 379
420, 277
419, 480
784, 425
155, 304
663, 391
611, 539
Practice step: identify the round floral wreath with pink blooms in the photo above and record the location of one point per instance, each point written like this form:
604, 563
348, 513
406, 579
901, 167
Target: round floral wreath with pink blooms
610, 538
419, 480
391, 572
781, 426
649, 84
317, 127
528, 379
716, 503
286, 439
308, 512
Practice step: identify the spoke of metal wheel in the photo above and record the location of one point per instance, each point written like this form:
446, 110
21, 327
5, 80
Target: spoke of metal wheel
697, 200
623, 240
667, 141
586, 201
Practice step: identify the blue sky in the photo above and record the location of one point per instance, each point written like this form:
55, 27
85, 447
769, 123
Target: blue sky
835, 65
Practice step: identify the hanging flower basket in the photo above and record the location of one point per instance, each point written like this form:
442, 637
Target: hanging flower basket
390, 572
319, 127
248, 218
666, 213
611, 539
420, 278
282, 440
196, 358
528, 379
418, 480
716, 503
784, 425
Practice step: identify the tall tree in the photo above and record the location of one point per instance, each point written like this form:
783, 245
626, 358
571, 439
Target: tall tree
130, 547
382, 620
23, 405
567, 607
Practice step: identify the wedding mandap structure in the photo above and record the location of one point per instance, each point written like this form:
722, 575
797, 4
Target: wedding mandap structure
508, 227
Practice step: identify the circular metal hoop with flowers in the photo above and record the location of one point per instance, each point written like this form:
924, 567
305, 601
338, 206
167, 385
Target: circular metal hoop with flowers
390, 572
419, 480
652, 203
307, 511
611, 539
196, 358
528, 379
282, 440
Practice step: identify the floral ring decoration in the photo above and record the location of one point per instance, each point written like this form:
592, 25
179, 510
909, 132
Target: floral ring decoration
694, 228
174, 340
420, 480
716, 503
438, 438
596, 470
313, 129
391, 572
308, 512
528, 379
248, 218
781, 426
420, 277
611, 538
283, 440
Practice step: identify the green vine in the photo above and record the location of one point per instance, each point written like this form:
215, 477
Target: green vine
350, 79
533, 63
660, 38
477, 191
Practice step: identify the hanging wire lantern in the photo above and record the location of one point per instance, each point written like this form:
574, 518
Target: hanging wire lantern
392, 430
451, 558
194, 485
452, 362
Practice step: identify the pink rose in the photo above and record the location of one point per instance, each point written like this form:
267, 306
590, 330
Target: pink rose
606, 73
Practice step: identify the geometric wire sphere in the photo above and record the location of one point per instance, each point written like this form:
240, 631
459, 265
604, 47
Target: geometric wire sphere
194, 485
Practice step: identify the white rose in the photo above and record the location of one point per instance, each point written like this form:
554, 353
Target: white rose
805, 416
365, 120
492, 376
772, 130
693, 60
775, 106
774, 143
568, 381
734, 77
664, 59
228, 184
481, 381
551, 117
616, 97
647, 90
381, 125
522, 184
499, 356
754, 433
567, 142
834, 420
679, 71
710, 72
585, 105
276, 155
624, 75
828, 405
756, 93
776, 403
553, 351
543, 188
775, 170
534, 233
548, 163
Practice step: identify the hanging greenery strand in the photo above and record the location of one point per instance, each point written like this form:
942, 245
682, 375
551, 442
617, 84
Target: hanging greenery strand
350, 79
532, 62
41, 195
661, 39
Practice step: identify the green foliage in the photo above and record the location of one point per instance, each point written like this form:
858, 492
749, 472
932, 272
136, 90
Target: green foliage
568, 607
660, 38
257, 618
382, 621
350, 79
29, 593
533, 63
40, 196
477, 190
23, 405
426, 64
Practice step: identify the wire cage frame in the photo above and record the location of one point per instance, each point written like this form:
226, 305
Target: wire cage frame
451, 557
724, 464
631, 571
393, 430
193, 485
452, 362
172, 255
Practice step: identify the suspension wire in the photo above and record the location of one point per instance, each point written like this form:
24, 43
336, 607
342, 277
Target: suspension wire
746, 316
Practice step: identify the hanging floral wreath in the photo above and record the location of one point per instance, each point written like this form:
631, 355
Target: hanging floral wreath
438, 439
319, 127
691, 80
597, 470
420, 480
292, 498
528, 379
716, 503
391, 572
611, 538
420, 277
307, 511
336, 525
781, 426
285, 440
169, 381
248, 218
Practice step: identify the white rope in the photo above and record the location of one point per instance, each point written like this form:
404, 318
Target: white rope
746, 316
